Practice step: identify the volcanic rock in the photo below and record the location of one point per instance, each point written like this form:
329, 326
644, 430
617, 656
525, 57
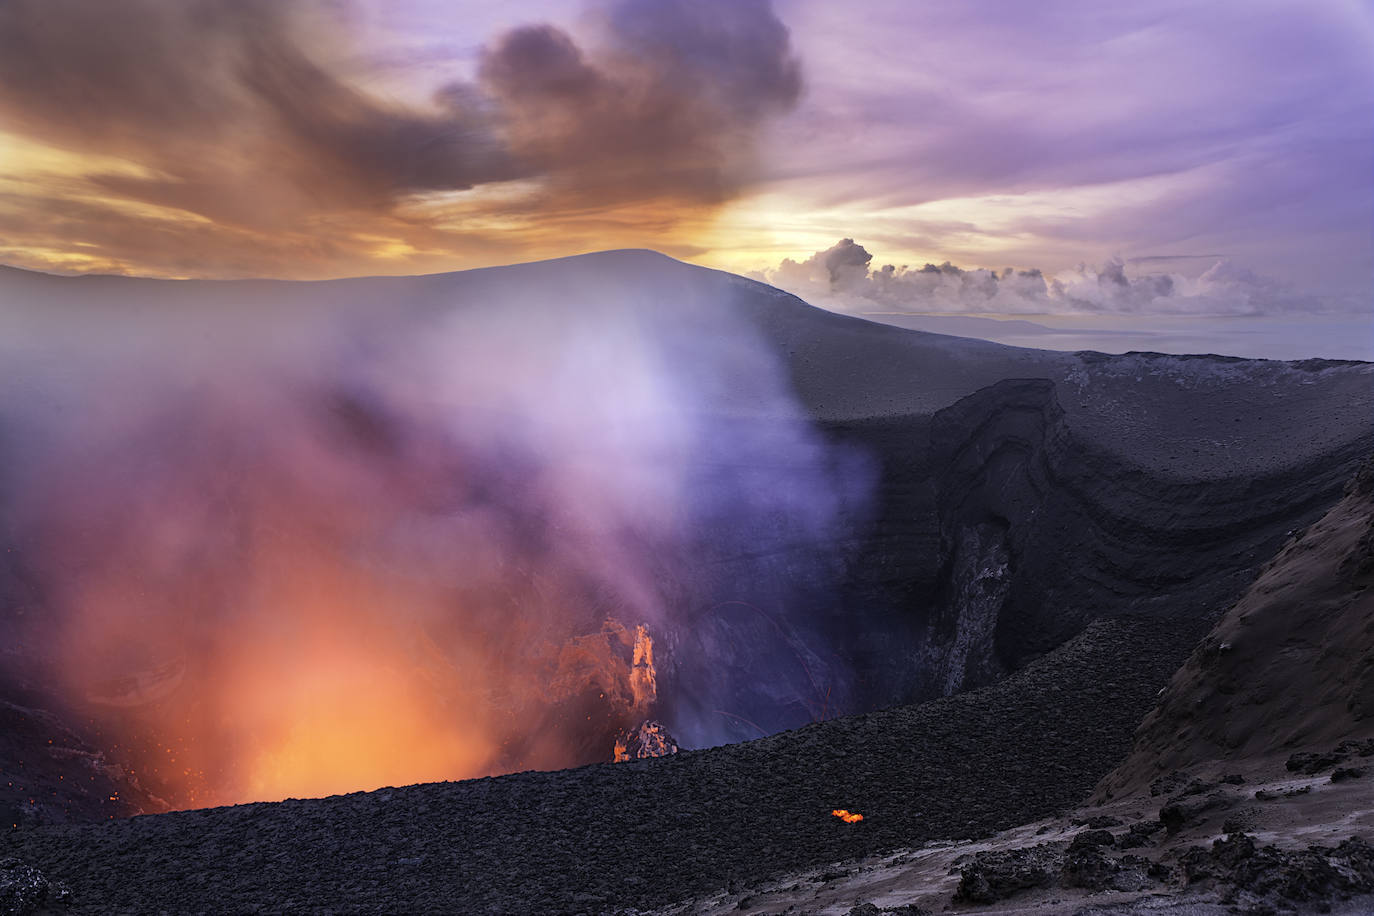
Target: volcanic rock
52, 775
1300, 673
1138, 835
1089, 839
25, 890
1092, 869
1310, 764
650, 739
1186, 810
996, 875
1266, 874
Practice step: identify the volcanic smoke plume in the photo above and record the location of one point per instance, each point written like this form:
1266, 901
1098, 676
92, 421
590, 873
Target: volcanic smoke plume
295, 539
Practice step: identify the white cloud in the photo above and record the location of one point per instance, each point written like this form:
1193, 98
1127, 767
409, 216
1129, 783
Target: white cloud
843, 277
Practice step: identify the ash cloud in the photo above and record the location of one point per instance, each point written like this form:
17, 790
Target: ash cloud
233, 110
843, 276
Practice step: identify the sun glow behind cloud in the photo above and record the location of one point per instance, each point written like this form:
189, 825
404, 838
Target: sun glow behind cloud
256, 139
419, 137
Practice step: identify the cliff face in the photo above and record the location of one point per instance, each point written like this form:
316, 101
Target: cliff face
1002, 529
1021, 494
1289, 667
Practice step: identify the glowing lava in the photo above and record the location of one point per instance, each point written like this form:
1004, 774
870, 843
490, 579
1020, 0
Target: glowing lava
849, 817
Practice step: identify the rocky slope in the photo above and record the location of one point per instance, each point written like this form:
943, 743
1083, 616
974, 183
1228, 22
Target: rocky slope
1249, 787
1289, 668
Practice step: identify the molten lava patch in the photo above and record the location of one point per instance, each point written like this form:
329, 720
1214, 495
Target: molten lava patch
849, 817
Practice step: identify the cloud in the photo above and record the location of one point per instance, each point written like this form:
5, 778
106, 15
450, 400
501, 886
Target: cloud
667, 106
205, 94
239, 112
841, 277
1139, 128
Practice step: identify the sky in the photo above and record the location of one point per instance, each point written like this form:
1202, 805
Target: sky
1154, 158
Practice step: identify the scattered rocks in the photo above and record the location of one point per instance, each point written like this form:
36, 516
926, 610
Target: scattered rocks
25, 890
1087, 867
1090, 838
993, 876
1092, 869
1363, 748
1169, 784
1253, 875
1185, 810
1311, 764
1237, 823
1199, 786
1085, 863
1139, 835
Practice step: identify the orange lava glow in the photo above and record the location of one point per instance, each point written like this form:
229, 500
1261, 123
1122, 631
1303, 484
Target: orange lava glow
244, 636
643, 675
849, 817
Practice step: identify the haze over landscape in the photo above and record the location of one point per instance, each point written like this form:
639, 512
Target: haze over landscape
685, 456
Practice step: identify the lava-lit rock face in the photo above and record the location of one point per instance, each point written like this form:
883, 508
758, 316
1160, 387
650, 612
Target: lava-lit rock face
650, 739
437, 512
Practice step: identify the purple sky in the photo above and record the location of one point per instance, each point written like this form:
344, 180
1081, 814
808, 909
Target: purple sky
1073, 131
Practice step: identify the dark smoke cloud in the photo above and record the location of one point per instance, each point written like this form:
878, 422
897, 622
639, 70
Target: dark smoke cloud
210, 94
233, 112
669, 105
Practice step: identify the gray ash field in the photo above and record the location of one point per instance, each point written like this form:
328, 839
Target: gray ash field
1044, 539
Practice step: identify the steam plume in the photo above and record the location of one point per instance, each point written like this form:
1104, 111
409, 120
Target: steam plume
370, 532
